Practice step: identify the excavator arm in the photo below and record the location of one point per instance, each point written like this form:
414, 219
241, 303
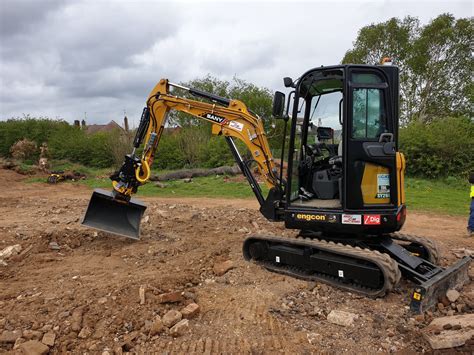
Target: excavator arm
229, 118
234, 120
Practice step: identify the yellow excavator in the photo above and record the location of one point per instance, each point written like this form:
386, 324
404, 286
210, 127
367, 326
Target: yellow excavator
343, 188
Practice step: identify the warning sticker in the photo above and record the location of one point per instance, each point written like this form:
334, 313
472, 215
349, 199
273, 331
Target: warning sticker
236, 125
351, 219
383, 186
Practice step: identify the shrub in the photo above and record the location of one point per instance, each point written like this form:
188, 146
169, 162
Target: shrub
24, 150
37, 130
442, 148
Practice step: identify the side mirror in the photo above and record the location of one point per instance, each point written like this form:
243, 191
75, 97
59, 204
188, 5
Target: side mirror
288, 82
278, 104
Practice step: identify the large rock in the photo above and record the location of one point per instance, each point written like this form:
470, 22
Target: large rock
9, 251
34, 347
180, 328
452, 295
85, 332
449, 332
171, 318
76, 321
29, 334
170, 297
190, 311
342, 318
221, 268
157, 326
49, 338
9, 336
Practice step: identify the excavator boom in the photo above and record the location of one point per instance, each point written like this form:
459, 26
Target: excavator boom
117, 213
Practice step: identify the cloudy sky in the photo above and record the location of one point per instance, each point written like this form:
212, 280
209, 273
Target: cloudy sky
62, 58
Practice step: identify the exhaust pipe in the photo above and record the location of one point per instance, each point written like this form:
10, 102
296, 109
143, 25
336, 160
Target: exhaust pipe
110, 215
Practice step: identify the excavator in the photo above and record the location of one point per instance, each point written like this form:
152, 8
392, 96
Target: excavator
343, 188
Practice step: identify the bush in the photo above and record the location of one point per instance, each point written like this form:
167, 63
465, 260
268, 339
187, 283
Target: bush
168, 156
442, 148
24, 150
36, 130
216, 153
77, 146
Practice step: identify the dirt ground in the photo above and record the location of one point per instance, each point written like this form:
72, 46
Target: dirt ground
247, 310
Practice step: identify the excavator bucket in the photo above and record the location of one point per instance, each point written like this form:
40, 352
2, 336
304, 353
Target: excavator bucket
110, 215
427, 294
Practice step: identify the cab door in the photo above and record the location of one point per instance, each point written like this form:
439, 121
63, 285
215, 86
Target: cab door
370, 129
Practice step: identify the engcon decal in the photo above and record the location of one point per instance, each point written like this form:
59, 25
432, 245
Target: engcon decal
215, 118
310, 217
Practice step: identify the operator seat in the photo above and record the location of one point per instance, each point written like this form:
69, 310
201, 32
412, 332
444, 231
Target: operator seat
337, 160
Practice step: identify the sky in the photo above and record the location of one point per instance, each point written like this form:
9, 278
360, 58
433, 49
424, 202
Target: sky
96, 59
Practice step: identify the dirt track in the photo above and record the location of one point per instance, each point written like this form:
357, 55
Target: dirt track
247, 310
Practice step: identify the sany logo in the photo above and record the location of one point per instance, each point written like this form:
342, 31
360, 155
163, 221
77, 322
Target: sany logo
372, 219
215, 118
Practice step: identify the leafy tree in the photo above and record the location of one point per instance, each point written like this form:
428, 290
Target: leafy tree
435, 63
258, 100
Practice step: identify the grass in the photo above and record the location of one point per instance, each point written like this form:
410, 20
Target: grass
449, 196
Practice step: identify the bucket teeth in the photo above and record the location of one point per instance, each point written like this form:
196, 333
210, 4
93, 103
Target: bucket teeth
114, 216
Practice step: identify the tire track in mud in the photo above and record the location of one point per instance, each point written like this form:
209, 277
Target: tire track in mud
239, 323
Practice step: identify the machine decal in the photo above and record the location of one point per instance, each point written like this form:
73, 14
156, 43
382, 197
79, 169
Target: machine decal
215, 118
383, 186
310, 217
236, 125
351, 219
372, 219
331, 218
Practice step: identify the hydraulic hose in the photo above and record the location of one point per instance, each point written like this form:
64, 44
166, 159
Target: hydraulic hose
143, 173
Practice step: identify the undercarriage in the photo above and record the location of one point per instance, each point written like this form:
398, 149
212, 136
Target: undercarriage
371, 265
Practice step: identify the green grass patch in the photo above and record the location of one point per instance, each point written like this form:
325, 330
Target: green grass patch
450, 196
209, 186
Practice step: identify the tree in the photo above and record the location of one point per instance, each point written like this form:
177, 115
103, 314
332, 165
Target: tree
194, 137
258, 100
435, 63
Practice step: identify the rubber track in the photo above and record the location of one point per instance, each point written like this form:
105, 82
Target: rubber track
388, 266
428, 244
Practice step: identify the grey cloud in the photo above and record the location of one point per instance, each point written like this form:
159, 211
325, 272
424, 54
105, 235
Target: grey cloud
21, 16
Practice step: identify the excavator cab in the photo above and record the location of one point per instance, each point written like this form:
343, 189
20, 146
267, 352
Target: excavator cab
344, 170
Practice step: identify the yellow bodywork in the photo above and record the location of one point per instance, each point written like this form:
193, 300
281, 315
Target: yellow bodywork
376, 187
373, 192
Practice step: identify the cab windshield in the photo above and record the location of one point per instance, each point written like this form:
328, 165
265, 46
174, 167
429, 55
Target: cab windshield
321, 105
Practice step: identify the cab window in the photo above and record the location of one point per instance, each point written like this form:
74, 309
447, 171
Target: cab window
368, 113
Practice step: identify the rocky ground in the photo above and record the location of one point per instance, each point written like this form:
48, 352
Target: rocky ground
185, 288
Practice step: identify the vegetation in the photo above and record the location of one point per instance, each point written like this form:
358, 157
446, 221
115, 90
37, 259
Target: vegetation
64, 141
442, 148
447, 196
192, 145
435, 63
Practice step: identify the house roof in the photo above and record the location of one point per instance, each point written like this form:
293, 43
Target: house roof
94, 128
